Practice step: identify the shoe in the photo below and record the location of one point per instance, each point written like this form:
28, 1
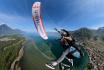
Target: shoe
54, 63
50, 66
70, 60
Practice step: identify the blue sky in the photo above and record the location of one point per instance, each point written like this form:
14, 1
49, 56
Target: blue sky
69, 14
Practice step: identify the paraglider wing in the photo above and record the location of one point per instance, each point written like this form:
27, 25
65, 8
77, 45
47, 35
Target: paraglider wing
37, 18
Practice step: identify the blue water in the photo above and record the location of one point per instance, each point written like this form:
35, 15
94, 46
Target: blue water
53, 49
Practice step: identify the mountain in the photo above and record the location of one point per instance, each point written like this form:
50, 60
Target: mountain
86, 33
6, 30
100, 31
93, 41
83, 33
19, 31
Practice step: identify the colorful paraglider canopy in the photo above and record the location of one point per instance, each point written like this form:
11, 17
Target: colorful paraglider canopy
37, 18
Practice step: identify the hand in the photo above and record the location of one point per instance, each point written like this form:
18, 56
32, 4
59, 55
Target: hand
69, 38
56, 29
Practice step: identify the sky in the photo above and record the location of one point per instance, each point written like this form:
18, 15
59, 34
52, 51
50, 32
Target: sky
68, 14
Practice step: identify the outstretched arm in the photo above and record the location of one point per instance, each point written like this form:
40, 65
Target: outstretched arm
58, 31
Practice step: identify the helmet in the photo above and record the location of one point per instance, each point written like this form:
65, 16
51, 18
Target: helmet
64, 32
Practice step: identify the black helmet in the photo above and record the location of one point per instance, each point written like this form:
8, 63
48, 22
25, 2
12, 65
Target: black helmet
65, 32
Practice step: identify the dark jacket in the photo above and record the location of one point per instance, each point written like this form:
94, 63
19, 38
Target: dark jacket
70, 43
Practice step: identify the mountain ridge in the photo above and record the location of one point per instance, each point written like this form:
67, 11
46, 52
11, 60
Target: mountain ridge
6, 30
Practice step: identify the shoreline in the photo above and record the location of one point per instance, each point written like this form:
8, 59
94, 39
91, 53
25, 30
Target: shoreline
16, 63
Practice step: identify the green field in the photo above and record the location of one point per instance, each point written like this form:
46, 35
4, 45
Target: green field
9, 48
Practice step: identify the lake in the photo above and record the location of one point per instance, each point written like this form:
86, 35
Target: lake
48, 50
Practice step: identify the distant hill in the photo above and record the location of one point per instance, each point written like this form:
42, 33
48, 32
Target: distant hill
100, 31
6, 30
83, 33
86, 33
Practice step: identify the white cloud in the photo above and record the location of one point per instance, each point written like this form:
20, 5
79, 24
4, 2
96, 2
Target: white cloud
97, 26
1, 23
17, 22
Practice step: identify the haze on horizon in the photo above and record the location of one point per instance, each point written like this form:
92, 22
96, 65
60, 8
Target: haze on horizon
69, 14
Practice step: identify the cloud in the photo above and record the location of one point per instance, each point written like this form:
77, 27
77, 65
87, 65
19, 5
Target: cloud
56, 13
18, 22
97, 26
1, 23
